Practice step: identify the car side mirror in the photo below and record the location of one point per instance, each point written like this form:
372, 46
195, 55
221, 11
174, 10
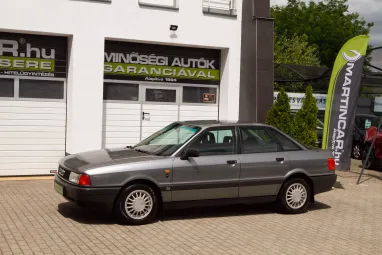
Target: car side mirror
189, 153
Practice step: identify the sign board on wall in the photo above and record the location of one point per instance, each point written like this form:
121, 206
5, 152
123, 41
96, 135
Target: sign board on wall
159, 63
33, 55
296, 99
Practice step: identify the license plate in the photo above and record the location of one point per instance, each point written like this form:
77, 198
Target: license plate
59, 188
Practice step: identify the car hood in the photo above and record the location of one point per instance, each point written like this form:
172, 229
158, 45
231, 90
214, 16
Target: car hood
99, 158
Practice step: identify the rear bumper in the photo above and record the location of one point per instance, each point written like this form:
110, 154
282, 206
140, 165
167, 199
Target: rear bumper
323, 183
96, 198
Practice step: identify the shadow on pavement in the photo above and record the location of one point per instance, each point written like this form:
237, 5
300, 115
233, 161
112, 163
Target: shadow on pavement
87, 216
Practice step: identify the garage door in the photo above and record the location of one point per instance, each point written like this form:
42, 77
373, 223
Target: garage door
32, 125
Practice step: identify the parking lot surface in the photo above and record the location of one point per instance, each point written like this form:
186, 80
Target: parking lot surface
34, 219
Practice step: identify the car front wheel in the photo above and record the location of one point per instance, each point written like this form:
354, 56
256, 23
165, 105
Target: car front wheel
137, 205
294, 196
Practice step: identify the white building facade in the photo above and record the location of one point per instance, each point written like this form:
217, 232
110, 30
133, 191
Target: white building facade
84, 75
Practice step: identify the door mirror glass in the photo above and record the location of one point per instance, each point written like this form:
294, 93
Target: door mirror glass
189, 153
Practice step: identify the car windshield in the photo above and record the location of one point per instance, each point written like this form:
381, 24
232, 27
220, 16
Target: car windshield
167, 140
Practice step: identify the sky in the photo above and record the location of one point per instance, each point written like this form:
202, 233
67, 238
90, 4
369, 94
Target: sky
371, 11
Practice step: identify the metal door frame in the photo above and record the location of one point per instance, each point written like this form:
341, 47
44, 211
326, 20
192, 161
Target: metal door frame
142, 98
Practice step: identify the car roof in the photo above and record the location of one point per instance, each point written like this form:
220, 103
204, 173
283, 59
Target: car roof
214, 123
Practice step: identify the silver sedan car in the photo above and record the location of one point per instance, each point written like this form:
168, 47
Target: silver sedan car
197, 162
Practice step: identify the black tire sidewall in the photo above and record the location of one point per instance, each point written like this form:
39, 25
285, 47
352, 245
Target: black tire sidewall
282, 197
120, 206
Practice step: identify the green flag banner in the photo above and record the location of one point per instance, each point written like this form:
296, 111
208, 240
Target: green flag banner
342, 98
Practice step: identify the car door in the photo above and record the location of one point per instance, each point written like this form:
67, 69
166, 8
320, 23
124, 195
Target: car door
299, 158
212, 175
263, 163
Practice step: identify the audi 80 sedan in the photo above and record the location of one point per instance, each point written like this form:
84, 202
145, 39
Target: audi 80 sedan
194, 162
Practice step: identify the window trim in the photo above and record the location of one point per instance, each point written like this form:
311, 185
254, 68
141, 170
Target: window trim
174, 6
16, 89
121, 101
300, 146
199, 86
15, 93
203, 131
279, 147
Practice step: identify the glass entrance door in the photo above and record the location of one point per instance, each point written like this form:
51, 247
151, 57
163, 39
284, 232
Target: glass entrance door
160, 107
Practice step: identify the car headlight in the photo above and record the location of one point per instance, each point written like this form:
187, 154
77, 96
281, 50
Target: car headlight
80, 179
73, 177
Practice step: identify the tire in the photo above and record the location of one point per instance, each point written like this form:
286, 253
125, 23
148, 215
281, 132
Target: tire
357, 151
370, 164
140, 212
292, 207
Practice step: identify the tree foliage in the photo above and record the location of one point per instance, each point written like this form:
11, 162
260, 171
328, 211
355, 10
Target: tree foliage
327, 24
295, 51
305, 120
279, 114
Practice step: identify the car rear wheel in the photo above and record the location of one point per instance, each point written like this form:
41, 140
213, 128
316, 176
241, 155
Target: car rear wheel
137, 205
294, 196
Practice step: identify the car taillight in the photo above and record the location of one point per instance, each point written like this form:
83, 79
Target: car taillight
331, 164
84, 180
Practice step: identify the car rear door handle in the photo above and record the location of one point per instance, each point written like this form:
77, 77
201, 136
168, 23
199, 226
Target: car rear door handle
279, 159
231, 162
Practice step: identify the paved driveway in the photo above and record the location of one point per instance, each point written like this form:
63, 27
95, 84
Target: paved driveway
36, 220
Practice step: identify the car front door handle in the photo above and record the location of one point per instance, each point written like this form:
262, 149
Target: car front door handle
279, 159
231, 162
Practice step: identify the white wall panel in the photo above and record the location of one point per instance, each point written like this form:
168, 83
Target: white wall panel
198, 112
160, 116
122, 122
32, 136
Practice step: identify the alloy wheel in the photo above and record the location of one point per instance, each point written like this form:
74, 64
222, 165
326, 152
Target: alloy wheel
138, 204
296, 196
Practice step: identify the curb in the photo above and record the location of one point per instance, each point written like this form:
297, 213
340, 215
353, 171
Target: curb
26, 178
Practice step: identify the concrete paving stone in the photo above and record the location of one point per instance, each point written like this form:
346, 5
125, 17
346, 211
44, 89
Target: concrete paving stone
343, 221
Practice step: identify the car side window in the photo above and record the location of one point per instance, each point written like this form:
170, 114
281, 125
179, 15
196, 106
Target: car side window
257, 140
215, 142
285, 142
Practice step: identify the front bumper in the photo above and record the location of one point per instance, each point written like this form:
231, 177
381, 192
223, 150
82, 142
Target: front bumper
96, 198
323, 183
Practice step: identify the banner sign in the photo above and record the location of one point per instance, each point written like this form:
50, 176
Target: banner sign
342, 100
159, 63
33, 55
296, 99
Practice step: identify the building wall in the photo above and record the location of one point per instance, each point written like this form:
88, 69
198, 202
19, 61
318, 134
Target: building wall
89, 23
256, 69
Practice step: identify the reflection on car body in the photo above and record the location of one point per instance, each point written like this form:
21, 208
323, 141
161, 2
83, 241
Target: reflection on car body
197, 162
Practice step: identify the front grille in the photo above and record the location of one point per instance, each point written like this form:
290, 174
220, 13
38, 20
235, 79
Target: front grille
63, 173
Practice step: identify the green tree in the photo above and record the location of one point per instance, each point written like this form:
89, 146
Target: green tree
279, 114
294, 51
305, 120
328, 24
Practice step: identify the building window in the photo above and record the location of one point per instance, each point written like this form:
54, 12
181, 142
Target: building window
225, 7
172, 4
120, 91
161, 95
41, 89
7, 88
199, 95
